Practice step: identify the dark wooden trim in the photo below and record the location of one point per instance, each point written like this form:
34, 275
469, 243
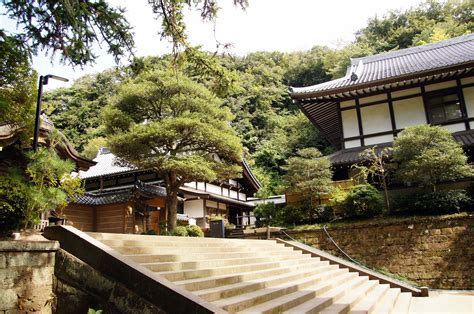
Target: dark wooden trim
463, 103
359, 120
425, 105
339, 115
392, 113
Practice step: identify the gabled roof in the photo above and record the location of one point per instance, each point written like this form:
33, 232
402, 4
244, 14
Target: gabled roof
397, 65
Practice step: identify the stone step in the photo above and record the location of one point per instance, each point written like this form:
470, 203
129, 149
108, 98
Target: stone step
155, 258
291, 300
191, 249
367, 303
216, 281
228, 291
171, 243
402, 305
157, 238
324, 300
344, 304
189, 265
244, 301
225, 270
387, 302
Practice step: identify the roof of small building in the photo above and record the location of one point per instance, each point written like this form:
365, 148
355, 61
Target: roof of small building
395, 65
140, 189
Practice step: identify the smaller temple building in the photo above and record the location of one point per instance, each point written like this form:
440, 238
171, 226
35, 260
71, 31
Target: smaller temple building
120, 199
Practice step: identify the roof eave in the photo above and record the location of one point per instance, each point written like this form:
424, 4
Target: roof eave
336, 91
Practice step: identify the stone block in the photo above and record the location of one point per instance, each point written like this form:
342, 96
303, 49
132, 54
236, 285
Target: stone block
3, 260
33, 259
8, 299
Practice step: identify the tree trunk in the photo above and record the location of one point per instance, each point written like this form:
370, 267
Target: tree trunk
172, 201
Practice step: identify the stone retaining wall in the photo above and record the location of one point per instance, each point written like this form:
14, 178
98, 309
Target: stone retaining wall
438, 253
26, 276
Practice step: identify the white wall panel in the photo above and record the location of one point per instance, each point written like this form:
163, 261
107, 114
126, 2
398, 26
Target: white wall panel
406, 92
352, 143
347, 103
375, 119
442, 85
409, 112
378, 139
194, 208
467, 80
213, 188
455, 127
350, 125
366, 100
469, 100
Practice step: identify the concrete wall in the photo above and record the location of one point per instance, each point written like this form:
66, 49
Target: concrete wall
26, 276
437, 253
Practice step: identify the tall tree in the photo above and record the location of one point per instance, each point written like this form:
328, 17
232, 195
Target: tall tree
70, 28
166, 122
308, 173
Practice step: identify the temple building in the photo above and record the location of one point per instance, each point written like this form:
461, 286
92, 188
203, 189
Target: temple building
380, 95
128, 200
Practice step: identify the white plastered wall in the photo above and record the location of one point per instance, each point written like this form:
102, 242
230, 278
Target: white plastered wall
213, 188
468, 93
194, 208
409, 112
350, 125
375, 119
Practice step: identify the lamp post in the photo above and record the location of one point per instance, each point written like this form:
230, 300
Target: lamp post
43, 80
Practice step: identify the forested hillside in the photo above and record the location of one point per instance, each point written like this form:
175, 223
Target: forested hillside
255, 87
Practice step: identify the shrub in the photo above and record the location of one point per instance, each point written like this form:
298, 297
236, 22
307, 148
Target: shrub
440, 202
151, 232
13, 200
180, 231
322, 213
194, 231
363, 200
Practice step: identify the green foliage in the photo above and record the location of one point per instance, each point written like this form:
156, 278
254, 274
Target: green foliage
266, 213
194, 231
363, 201
430, 21
70, 28
45, 185
92, 311
50, 185
77, 110
428, 155
180, 231
439, 202
164, 121
13, 201
309, 174
150, 232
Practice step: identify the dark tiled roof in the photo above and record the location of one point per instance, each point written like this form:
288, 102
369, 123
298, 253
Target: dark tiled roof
105, 198
122, 195
352, 155
395, 64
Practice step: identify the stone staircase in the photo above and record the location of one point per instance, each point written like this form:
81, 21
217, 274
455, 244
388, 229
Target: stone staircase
257, 276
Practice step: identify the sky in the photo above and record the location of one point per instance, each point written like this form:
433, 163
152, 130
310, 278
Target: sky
266, 25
